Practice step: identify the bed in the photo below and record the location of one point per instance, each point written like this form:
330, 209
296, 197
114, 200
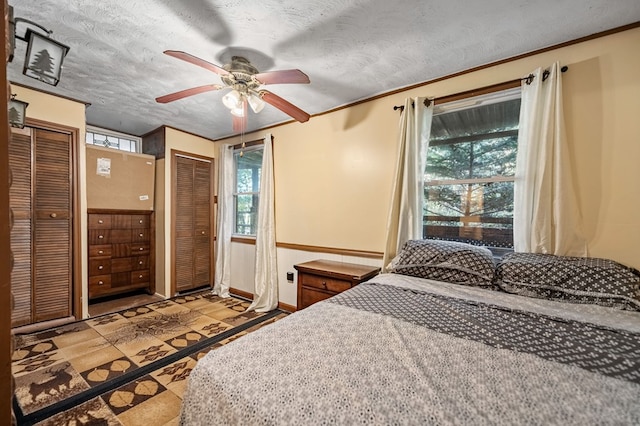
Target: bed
530, 340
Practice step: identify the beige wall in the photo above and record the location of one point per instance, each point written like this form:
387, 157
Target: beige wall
334, 173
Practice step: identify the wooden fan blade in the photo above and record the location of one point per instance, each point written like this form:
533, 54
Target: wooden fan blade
284, 106
282, 77
240, 123
188, 92
196, 61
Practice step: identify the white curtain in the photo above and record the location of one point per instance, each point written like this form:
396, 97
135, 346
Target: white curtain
222, 281
547, 218
405, 215
265, 296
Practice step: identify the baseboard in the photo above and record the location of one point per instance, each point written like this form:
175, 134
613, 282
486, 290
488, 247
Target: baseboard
249, 296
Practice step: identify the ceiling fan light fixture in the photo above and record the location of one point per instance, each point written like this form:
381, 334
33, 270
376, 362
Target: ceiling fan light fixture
256, 103
232, 100
238, 112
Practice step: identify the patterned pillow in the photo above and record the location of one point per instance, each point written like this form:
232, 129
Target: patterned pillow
446, 261
570, 279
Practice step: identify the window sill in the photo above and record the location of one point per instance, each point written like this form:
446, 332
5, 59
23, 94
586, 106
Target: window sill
244, 239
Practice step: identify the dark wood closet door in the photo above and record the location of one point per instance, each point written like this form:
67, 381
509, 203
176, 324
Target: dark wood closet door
20, 201
41, 198
192, 224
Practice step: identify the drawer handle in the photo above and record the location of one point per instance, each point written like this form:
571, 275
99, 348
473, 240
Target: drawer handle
140, 220
100, 221
53, 215
141, 248
140, 263
100, 236
100, 267
100, 251
324, 283
202, 232
100, 282
140, 235
139, 276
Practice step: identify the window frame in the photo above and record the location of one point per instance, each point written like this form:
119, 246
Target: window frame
460, 102
237, 149
113, 134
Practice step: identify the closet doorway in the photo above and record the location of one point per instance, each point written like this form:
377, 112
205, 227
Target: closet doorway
44, 232
191, 221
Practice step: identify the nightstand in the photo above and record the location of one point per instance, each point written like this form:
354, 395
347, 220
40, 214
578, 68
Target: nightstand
321, 279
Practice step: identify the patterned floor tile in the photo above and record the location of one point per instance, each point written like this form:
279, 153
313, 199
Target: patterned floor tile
174, 376
74, 337
47, 386
108, 371
92, 412
107, 324
146, 350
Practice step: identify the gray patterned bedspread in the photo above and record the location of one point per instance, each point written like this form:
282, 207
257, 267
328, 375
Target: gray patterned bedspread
401, 350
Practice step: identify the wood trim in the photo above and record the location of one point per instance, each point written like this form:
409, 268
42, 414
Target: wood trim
246, 295
118, 211
74, 134
479, 91
332, 250
248, 144
57, 95
6, 343
314, 249
468, 71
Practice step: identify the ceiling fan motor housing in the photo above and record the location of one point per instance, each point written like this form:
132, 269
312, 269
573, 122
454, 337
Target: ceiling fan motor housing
240, 75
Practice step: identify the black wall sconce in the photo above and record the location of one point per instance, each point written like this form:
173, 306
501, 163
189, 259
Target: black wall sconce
17, 112
44, 55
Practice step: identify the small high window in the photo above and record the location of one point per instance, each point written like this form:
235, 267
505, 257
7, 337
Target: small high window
111, 139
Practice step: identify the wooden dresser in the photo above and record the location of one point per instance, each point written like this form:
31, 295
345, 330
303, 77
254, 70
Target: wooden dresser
121, 251
321, 279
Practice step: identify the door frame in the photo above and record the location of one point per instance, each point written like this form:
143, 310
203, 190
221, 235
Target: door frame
174, 190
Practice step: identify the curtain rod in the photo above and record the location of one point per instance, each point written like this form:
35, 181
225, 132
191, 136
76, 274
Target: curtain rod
528, 79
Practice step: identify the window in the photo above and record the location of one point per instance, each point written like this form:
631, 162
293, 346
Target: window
248, 169
111, 139
470, 169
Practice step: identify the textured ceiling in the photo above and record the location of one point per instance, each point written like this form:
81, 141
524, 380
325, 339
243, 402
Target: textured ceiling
350, 49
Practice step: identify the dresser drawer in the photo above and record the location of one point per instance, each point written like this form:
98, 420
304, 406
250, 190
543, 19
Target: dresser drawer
139, 249
140, 235
100, 250
139, 277
99, 221
99, 236
325, 283
100, 281
99, 267
310, 296
140, 262
140, 221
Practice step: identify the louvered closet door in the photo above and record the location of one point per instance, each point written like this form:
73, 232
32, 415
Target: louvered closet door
20, 200
42, 234
52, 223
192, 223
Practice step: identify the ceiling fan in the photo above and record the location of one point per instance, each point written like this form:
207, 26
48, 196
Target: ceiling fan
244, 80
